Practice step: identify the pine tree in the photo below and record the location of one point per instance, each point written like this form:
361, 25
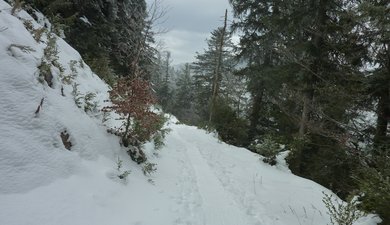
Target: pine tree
115, 29
262, 30
164, 89
219, 93
205, 71
300, 56
184, 105
375, 21
217, 70
374, 177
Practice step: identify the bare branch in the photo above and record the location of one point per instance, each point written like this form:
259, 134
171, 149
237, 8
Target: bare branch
157, 15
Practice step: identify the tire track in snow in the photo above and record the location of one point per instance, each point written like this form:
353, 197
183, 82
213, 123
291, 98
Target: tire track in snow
189, 200
246, 201
219, 207
245, 197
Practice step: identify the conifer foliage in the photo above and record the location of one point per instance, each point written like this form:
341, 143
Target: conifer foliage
315, 69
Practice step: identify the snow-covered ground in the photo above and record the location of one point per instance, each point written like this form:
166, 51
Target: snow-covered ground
199, 180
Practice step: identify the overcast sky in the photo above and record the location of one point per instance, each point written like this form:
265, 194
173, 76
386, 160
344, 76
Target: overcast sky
190, 23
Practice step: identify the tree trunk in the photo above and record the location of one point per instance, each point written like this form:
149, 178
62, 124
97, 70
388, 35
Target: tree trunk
128, 122
383, 109
255, 114
305, 114
217, 71
315, 67
383, 117
167, 67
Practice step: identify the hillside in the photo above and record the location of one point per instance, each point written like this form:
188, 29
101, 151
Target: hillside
199, 180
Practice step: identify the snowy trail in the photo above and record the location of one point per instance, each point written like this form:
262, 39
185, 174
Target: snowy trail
224, 170
235, 188
217, 205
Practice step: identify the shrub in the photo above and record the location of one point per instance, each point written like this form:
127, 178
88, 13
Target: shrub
45, 74
122, 174
342, 213
28, 25
89, 104
267, 148
148, 168
50, 58
230, 127
132, 99
101, 66
158, 139
37, 33
77, 97
16, 7
374, 185
51, 51
86, 101
68, 79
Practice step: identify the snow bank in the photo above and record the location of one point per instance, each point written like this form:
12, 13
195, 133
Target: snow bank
31, 149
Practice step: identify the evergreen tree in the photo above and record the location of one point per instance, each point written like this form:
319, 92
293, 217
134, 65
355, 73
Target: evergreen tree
301, 55
205, 68
374, 177
375, 22
164, 89
113, 30
260, 29
218, 91
184, 106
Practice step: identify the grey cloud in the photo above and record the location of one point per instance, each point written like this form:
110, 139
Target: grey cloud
190, 23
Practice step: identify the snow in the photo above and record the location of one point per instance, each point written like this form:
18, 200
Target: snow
85, 20
199, 180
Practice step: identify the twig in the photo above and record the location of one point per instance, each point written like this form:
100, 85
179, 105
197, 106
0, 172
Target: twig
295, 214
39, 106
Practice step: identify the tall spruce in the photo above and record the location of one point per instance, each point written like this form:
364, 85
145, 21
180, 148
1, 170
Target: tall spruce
163, 89
373, 179
300, 55
375, 20
184, 94
219, 93
206, 80
217, 69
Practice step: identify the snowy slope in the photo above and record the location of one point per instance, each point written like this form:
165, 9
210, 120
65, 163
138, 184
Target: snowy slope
199, 180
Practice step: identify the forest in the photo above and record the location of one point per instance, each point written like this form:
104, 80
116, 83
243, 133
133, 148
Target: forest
312, 77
